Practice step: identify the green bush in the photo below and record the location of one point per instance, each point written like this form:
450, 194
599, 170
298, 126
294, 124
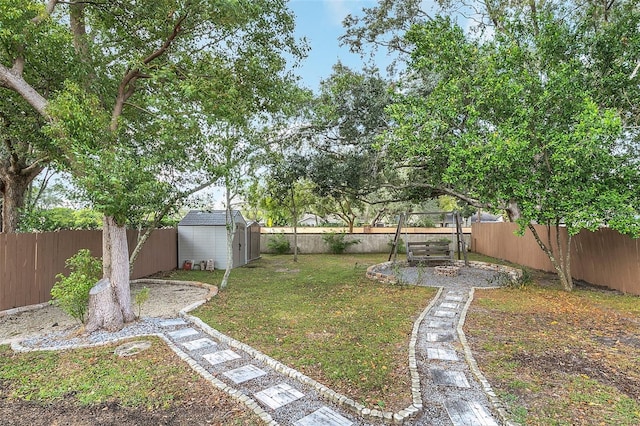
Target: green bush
279, 244
337, 243
71, 293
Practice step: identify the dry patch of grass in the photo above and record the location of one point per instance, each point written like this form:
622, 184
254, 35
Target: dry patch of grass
559, 358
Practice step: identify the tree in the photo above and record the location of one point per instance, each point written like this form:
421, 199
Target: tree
288, 189
125, 123
235, 150
517, 121
346, 119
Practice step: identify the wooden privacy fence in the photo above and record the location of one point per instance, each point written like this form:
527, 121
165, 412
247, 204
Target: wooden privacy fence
605, 257
30, 262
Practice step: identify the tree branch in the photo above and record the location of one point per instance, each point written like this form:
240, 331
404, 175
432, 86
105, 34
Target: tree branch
10, 80
127, 86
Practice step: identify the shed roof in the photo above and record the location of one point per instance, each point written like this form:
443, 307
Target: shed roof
210, 218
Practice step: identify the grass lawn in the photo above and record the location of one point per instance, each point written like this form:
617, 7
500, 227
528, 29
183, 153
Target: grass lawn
95, 386
559, 358
323, 317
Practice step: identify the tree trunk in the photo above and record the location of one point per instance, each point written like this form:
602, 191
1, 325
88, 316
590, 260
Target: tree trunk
513, 211
560, 263
294, 213
115, 268
101, 315
14, 188
231, 230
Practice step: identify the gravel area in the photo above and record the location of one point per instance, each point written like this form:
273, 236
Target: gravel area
49, 326
425, 276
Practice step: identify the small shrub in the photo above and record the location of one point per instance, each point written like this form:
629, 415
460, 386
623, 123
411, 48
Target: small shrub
397, 269
503, 279
337, 243
279, 244
141, 297
71, 293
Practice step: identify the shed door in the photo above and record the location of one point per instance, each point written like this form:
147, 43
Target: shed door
239, 246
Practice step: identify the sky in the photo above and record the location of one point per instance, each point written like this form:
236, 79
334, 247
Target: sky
320, 22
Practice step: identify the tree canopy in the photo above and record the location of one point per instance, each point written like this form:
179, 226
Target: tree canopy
529, 119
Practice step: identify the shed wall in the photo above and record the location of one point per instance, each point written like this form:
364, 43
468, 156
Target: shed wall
200, 243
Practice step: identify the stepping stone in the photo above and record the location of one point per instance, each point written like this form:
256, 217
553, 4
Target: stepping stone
449, 305
172, 322
454, 298
442, 354
193, 345
185, 332
278, 396
439, 337
468, 413
439, 324
324, 416
449, 378
221, 356
444, 314
243, 374
132, 348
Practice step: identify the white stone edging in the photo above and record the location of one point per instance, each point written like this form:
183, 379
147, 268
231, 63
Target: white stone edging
473, 365
23, 309
514, 274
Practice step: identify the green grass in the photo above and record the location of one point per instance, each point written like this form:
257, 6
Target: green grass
93, 376
322, 316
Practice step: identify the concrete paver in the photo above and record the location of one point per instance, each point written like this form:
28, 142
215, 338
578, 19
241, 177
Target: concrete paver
279, 395
468, 413
221, 356
181, 334
244, 373
324, 416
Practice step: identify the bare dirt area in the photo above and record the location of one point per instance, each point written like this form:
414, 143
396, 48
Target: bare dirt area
207, 408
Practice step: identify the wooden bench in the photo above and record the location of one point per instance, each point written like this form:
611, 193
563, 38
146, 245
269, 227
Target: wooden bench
428, 251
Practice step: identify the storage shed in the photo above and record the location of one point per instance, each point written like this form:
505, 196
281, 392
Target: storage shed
202, 235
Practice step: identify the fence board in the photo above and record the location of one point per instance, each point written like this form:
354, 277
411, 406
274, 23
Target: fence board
605, 258
25, 293
10, 263
151, 261
30, 262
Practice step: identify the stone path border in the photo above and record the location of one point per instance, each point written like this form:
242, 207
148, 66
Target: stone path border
338, 402
373, 272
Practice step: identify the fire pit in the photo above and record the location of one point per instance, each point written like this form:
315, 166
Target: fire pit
447, 271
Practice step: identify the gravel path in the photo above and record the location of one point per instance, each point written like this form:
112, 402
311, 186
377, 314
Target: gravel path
426, 276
